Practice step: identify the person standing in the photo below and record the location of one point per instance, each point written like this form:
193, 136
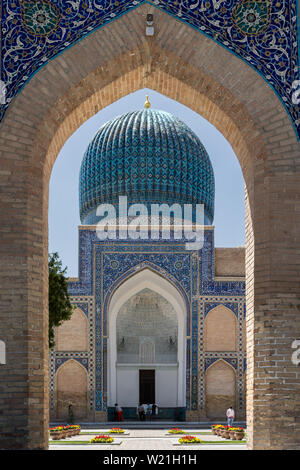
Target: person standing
149, 411
141, 412
119, 412
230, 416
154, 410
70, 413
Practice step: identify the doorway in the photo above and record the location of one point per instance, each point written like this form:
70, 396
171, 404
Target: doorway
147, 386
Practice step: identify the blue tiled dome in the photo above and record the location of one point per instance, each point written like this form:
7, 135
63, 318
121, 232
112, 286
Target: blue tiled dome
149, 156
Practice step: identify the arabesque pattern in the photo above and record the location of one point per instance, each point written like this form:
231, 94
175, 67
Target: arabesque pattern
261, 32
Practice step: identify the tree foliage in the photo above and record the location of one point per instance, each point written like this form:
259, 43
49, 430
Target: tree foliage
60, 307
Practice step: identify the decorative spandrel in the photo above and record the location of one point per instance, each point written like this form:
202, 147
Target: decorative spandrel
264, 33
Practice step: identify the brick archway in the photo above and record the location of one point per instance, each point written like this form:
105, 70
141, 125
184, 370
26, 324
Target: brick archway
184, 65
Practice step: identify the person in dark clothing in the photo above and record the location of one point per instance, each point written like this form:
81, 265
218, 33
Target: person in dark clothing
154, 410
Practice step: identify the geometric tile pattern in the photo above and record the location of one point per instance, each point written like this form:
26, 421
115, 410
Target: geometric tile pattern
151, 157
237, 359
106, 264
85, 358
262, 33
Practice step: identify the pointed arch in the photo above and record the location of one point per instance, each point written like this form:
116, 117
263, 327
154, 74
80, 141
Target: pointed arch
71, 387
146, 279
72, 335
229, 94
156, 270
220, 330
220, 388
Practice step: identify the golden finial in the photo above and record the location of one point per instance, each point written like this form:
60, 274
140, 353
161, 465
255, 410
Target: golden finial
147, 103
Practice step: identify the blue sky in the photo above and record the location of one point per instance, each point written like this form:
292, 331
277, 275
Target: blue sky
64, 218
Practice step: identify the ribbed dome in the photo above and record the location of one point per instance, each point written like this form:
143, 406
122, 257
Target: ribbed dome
149, 156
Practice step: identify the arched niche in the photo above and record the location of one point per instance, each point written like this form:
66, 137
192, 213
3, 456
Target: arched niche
220, 387
220, 330
147, 330
159, 287
71, 387
72, 335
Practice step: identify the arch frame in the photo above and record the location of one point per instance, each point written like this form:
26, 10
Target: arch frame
134, 284
188, 17
232, 97
56, 391
84, 320
230, 366
233, 316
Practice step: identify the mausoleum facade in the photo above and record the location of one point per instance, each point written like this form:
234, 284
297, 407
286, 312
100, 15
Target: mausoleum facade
157, 320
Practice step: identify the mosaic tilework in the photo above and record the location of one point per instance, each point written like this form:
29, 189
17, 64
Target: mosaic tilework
83, 306
104, 265
262, 33
51, 379
237, 359
61, 358
152, 157
211, 358
132, 258
231, 306
85, 358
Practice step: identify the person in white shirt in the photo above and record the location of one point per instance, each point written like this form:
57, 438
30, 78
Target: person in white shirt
230, 416
141, 412
149, 411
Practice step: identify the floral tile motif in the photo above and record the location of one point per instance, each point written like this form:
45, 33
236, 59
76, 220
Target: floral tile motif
252, 18
263, 33
39, 18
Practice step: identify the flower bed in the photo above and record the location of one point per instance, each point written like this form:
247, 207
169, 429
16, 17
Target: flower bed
189, 440
103, 439
61, 432
57, 432
176, 431
116, 431
224, 432
236, 433
72, 429
228, 432
218, 429
215, 428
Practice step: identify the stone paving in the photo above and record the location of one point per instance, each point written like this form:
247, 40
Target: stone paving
146, 439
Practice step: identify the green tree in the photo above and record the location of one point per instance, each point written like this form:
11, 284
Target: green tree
60, 307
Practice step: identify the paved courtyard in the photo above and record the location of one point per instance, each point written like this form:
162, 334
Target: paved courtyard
150, 438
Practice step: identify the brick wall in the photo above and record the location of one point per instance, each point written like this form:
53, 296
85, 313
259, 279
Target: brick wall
186, 66
230, 262
72, 335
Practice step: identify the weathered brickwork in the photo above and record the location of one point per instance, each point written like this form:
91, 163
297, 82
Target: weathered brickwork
220, 389
220, 330
186, 66
72, 335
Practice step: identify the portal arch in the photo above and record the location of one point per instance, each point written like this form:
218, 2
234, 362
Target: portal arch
147, 280
230, 95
